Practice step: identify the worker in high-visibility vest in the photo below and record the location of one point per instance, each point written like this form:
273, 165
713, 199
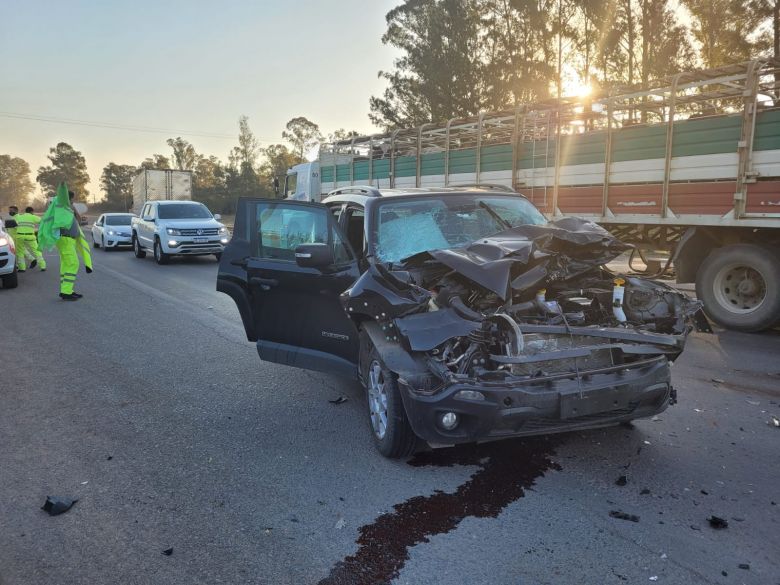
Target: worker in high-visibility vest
60, 227
27, 239
10, 227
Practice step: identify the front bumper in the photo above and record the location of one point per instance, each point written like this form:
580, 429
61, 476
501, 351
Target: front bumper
117, 240
189, 246
541, 406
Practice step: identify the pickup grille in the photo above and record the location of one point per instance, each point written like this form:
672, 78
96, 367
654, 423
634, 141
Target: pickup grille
203, 232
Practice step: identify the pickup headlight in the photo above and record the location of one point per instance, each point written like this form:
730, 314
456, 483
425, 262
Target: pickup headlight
222, 231
173, 232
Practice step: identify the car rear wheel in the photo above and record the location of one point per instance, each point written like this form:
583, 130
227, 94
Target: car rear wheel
393, 436
137, 250
10, 280
740, 287
159, 256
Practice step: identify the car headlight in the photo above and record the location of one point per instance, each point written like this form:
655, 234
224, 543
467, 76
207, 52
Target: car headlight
3, 241
111, 233
173, 232
222, 231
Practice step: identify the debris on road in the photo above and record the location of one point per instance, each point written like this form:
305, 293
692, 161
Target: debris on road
644, 492
654, 578
775, 422
744, 566
718, 380
55, 505
168, 552
109, 458
718, 523
694, 527
621, 481
624, 516
340, 524
339, 400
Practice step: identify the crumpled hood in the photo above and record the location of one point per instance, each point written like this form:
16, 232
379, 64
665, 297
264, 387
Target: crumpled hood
522, 257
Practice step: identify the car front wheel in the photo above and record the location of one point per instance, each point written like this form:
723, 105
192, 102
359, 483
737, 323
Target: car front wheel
393, 436
159, 256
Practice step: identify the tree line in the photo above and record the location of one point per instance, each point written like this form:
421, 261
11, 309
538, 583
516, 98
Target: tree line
460, 57
248, 172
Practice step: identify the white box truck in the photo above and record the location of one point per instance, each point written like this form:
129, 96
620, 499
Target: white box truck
161, 185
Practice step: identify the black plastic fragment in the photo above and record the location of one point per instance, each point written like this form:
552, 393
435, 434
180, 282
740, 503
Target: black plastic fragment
644, 492
718, 523
621, 481
168, 552
339, 400
744, 566
624, 516
55, 505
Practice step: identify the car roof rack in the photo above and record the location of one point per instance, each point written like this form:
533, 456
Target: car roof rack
486, 186
361, 189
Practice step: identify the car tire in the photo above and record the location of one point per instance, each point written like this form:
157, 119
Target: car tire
94, 243
10, 280
393, 435
137, 250
740, 287
159, 256
103, 243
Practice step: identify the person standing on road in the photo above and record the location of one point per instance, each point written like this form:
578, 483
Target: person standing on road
26, 231
60, 228
11, 226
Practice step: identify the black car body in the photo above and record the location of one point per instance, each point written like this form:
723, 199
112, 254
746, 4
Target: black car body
466, 314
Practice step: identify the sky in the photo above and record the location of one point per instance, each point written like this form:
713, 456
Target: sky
186, 66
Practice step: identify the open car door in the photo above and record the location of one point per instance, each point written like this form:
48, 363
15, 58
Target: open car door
285, 268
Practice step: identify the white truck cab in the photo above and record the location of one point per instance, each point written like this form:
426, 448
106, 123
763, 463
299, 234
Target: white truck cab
302, 182
172, 228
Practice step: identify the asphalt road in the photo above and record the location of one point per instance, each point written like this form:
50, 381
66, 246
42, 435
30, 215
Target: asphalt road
145, 401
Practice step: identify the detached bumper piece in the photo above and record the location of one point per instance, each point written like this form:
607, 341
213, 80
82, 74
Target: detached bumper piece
552, 404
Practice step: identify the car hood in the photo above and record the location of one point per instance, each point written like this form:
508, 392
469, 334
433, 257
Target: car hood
542, 287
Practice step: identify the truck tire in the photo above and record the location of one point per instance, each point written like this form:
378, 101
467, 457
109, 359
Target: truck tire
159, 256
393, 435
11, 280
137, 249
740, 287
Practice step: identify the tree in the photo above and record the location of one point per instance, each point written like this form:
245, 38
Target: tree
248, 149
156, 161
342, 134
67, 164
302, 134
726, 29
117, 183
278, 159
440, 74
184, 155
15, 184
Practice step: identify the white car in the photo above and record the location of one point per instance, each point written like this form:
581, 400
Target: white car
7, 259
112, 230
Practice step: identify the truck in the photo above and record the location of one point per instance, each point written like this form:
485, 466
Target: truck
177, 228
685, 168
160, 185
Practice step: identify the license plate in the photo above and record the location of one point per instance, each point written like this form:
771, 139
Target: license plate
201, 240
592, 402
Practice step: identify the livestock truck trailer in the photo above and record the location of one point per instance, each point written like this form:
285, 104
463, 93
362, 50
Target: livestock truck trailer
686, 168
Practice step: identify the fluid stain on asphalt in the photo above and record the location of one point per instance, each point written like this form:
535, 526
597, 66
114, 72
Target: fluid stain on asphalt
506, 470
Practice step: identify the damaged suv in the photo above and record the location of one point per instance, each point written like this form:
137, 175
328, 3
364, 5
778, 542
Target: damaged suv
465, 314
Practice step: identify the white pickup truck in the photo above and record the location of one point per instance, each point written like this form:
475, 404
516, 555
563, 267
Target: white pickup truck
172, 228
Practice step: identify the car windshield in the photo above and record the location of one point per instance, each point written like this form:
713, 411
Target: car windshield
407, 227
184, 211
118, 219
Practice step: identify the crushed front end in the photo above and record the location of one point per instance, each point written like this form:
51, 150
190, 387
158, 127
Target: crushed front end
522, 333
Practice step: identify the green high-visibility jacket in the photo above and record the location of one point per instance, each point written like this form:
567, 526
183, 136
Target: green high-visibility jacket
27, 224
59, 216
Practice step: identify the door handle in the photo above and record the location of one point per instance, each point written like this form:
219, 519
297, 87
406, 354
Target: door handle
242, 263
263, 282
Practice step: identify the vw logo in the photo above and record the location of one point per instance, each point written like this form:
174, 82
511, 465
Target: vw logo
200, 232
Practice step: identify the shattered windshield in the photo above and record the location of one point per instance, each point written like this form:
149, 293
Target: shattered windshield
407, 227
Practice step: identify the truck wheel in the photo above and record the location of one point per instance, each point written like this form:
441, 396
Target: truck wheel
11, 280
137, 249
159, 256
740, 287
393, 436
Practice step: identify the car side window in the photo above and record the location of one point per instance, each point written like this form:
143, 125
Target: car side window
99, 221
144, 211
282, 227
354, 226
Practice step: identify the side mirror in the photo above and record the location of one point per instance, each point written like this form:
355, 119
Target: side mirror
217, 216
314, 255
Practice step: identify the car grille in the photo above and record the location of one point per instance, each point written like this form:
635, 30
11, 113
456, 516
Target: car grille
203, 232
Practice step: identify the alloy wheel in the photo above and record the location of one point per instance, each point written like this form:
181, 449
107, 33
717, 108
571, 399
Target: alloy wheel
377, 399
